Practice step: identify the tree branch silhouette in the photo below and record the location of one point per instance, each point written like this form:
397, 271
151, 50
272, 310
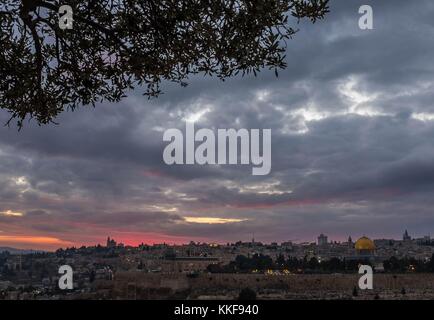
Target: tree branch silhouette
118, 45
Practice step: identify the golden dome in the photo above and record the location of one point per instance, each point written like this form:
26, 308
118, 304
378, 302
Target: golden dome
364, 243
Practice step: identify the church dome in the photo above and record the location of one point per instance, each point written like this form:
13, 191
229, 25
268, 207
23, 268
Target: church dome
364, 243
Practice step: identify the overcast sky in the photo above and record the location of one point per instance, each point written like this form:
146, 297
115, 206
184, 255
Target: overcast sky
352, 121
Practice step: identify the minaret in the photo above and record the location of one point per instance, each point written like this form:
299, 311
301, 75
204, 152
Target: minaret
405, 236
350, 246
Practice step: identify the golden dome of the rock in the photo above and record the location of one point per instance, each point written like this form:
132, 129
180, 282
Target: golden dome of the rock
364, 243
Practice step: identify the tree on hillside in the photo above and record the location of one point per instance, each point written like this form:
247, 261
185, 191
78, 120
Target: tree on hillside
247, 294
117, 45
431, 264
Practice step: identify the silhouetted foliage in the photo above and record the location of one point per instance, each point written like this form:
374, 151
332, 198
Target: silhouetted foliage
313, 263
116, 45
257, 261
431, 264
247, 294
92, 275
355, 292
280, 260
260, 263
406, 265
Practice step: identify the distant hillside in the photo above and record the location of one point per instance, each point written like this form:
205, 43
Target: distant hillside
18, 251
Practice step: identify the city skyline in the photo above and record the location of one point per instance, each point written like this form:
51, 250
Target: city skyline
314, 239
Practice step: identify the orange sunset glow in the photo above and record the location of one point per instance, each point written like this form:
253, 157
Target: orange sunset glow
29, 242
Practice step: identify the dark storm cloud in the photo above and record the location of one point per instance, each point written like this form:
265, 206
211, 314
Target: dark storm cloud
352, 121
